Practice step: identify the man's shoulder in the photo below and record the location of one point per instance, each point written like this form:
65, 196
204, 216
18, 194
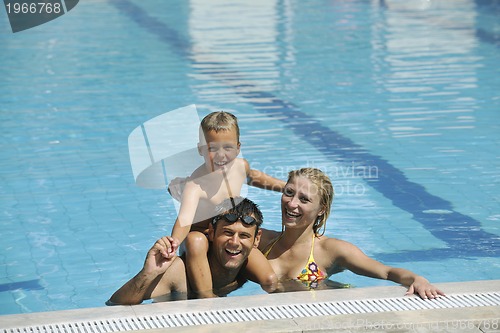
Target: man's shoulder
173, 280
177, 269
180, 262
176, 273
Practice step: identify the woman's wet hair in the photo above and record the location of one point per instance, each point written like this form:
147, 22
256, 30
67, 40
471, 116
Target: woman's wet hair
325, 192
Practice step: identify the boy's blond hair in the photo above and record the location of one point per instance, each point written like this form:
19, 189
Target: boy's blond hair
220, 121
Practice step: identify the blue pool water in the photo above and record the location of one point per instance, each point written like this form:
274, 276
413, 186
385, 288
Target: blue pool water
399, 102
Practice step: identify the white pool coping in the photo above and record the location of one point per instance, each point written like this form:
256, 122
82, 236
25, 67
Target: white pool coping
467, 319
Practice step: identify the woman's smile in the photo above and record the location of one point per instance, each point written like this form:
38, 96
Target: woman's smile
300, 202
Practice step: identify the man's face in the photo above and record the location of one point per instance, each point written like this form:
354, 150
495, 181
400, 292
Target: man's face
220, 149
232, 243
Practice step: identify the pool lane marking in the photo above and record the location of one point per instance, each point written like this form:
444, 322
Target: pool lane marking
25, 285
463, 234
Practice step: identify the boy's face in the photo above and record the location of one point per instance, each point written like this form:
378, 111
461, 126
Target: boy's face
220, 150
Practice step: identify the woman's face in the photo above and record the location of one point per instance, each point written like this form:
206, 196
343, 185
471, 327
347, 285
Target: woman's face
300, 203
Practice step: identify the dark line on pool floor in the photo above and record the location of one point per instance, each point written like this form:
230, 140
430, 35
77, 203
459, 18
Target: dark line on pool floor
26, 285
462, 234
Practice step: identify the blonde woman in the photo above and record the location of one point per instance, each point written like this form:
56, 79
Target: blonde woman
301, 252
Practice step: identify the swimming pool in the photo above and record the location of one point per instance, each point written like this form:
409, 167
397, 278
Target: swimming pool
398, 102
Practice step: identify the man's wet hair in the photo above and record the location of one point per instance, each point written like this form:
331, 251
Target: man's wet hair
241, 207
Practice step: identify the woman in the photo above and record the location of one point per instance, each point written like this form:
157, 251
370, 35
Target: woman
302, 252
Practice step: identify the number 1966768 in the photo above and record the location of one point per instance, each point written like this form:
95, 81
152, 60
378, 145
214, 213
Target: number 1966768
33, 8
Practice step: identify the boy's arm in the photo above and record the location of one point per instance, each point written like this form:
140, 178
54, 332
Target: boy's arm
262, 180
187, 211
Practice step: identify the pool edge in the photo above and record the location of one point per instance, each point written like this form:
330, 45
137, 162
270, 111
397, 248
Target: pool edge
426, 320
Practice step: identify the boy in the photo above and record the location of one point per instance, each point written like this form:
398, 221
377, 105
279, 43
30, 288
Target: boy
220, 177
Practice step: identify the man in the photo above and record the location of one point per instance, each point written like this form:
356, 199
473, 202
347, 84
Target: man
233, 233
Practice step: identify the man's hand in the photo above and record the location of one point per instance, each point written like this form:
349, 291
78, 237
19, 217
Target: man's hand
161, 255
176, 187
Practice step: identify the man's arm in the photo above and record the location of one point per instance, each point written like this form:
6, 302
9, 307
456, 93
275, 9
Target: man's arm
141, 286
135, 290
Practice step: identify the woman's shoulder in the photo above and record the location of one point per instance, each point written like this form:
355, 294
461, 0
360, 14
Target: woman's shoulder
326, 241
331, 240
334, 246
267, 237
331, 253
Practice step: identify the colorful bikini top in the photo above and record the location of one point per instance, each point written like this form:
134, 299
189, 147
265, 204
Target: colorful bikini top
310, 275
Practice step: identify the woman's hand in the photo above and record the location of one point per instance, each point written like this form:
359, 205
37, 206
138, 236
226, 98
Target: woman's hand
424, 289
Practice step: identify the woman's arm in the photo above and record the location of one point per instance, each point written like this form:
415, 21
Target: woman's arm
351, 257
416, 284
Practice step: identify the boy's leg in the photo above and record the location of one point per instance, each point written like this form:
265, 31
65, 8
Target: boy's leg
197, 267
259, 270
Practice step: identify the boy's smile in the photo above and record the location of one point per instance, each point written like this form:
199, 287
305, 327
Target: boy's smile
221, 149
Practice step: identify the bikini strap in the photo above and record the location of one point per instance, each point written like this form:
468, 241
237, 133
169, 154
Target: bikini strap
311, 255
266, 253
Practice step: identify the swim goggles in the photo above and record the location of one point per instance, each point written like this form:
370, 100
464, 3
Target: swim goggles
231, 218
